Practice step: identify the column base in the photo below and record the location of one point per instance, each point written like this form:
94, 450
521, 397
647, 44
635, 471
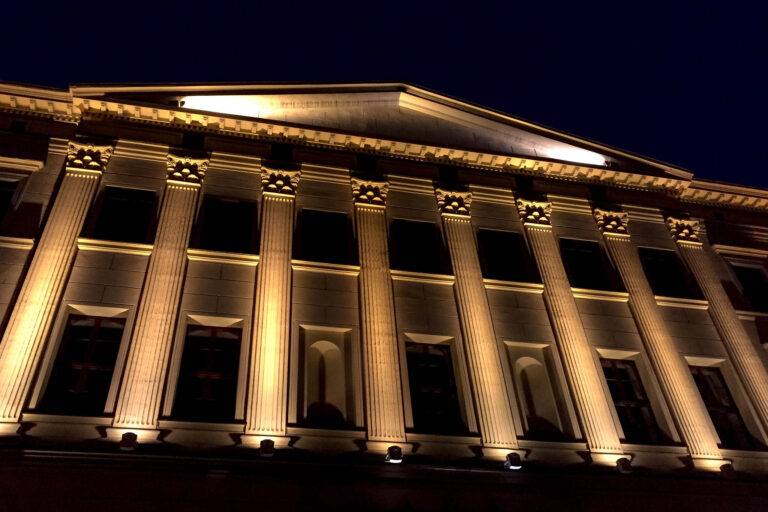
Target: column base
500, 454
131, 438
10, 429
712, 465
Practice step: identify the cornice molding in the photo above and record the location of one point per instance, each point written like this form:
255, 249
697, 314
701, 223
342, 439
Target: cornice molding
534, 212
139, 150
186, 169
612, 223
87, 156
278, 181
366, 192
492, 195
24, 165
235, 163
325, 173
451, 202
63, 106
568, 204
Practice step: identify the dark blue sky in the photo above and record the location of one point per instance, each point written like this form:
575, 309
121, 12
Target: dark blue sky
684, 83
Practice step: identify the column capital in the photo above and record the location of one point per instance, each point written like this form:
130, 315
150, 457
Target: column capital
369, 192
612, 222
684, 230
279, 181
534, 212
452, 202
186, 169
87, 156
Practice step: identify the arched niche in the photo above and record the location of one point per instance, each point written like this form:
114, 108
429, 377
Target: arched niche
537, 399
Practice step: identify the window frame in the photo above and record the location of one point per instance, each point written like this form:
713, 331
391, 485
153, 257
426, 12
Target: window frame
651, 386
174, 366
739, 396
50, 354
461, 378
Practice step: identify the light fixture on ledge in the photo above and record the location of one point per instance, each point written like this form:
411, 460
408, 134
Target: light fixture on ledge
266, 448
129, 442
394, 455
513, 462
623, 466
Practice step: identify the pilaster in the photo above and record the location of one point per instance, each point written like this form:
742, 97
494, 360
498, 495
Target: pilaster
671, 370
138, 402
267, 403
31, 319
494, 409
743, 353
381, 367
578, 360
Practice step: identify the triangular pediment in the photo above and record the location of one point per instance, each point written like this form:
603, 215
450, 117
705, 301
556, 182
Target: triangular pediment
397, 112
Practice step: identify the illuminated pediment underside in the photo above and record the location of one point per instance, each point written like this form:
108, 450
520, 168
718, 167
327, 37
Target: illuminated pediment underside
389, 119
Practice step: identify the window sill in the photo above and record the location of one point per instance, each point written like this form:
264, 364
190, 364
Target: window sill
235, 258
421, 277
92, 244
513, 286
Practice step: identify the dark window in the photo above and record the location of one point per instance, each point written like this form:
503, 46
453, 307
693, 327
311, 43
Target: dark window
754, 286
434, 400
125, 215
504, 256
207, 384
324, 236
587, 265
631, 403
84, 365
226, 225
667, 275
722, 409
417, 246
7, 191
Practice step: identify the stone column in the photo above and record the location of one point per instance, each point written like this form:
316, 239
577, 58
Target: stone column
578, 360
33, 314
267, 404
674, 376
494, 410
385, 419
742, 352
138, 402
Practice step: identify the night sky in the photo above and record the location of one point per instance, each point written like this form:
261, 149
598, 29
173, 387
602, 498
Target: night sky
683, 84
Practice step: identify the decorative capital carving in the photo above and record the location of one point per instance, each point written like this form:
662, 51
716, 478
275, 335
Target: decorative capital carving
534, 212
279, 181
456, 203
369, 192
683, 230
183, 168
88, 156
611, 223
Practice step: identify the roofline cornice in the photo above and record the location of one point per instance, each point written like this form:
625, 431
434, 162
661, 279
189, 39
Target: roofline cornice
68, 107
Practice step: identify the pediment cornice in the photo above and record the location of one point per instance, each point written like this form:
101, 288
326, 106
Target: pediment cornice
66, 107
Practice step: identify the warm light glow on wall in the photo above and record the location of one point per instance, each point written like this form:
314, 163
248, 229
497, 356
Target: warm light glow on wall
572, 154
239, 105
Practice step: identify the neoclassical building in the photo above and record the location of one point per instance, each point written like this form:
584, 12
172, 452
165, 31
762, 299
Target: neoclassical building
366, 296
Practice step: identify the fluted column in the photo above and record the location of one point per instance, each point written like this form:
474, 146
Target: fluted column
743, 353
138, 402
267, 404
34, 311
494, 410
381, 366
591, 402
673, 374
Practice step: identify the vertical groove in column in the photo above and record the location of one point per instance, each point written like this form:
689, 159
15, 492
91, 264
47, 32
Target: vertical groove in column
138, 403
41, 291
493, 405
381, 366
591, 402
674, 376
268, 376
743, 353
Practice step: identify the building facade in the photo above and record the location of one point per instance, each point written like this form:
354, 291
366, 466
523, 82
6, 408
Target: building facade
366, 296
